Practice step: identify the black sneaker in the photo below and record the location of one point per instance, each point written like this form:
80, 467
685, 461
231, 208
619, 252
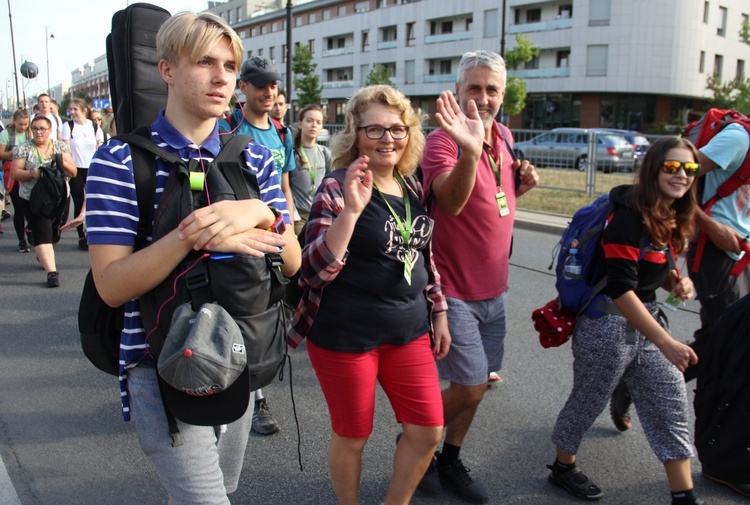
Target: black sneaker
53, 280
83, 244
619, 407
5, 216
263, 421
456, 476
23, 247
430, 482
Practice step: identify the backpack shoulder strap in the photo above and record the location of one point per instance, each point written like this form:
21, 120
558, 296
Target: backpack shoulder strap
280, 129
143, 151
740, 176
11, 139
71, 123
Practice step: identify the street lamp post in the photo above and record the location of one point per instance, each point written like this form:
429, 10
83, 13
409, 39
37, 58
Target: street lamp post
290, 112
47, 36
13, 48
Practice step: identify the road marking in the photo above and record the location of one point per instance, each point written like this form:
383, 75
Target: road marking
8, 495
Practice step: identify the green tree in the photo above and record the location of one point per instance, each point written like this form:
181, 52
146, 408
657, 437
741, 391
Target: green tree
515, 87
379, 75
745, 32
306, 81
734, 94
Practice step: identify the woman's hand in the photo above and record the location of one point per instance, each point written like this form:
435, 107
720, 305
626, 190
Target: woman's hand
681, 286
679, 354
441, 336
357, 186
466, 129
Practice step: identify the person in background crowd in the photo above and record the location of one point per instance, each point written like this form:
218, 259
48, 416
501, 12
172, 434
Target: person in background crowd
96, 117
313, 163
650, 226
83, 137
469, 168
27, 158
17, 133
44, 105
280, 107
371, 291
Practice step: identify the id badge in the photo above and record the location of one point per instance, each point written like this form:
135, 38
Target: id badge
407, 268
672, 302
502, 203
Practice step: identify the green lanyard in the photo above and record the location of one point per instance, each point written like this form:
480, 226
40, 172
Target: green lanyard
403, 226
498, 177
310, 170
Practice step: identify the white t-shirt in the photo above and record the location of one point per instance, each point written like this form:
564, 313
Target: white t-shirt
83, 141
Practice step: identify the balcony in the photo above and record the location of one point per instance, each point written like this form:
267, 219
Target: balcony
338, 52
338, 84
440, 78
447, 37
391, 44
541, 26
536, 73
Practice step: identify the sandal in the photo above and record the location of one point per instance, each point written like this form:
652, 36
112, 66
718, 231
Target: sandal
576, 483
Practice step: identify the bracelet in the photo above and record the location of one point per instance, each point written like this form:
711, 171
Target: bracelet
439, 314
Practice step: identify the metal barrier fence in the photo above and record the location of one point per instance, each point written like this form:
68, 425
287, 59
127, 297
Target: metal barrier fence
574, 159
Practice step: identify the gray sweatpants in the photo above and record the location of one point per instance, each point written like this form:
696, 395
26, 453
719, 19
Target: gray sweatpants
658, 389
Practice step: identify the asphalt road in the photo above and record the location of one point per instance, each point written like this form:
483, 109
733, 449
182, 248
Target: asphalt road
62, 440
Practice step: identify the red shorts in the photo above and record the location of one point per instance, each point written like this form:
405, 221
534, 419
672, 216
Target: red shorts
407, 374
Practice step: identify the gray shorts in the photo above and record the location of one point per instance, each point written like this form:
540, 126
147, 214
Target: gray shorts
478, 340
206, 467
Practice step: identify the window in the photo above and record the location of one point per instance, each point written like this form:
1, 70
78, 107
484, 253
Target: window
361, 7
565, 11
263, 29
740, 75
342, 11
563, 59
702, 63
410, 37
533, 15
250, 53
283, 53
311, 18
298, 21
718, 66
311, 43
390, 33
326, 15
445, 67
230, 18
274, 27
260, 52
365, 40
596, 60
534, 63
599, 11
469, 22
409, 72
721, 31
706, 9
272, 54
446, 27
239, 14
340, 43
490, 23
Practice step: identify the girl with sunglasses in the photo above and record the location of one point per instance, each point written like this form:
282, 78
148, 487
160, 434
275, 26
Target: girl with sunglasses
651, 224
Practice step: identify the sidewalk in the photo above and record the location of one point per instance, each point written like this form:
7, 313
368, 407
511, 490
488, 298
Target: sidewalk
541, 221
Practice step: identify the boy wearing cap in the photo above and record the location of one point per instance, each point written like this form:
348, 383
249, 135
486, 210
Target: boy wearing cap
259, 83
199, 54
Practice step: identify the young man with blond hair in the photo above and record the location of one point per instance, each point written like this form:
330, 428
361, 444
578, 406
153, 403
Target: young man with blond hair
199, 56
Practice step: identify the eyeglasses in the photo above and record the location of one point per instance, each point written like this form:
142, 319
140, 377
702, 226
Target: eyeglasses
96, 119
375, 132
672, 167
39, 130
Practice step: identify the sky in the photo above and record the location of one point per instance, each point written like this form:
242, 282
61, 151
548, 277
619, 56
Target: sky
80, 28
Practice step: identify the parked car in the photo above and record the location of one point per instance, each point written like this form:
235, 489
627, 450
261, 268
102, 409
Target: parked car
638, 140
568, 147
324, 136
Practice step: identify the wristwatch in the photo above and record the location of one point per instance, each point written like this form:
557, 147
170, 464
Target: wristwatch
278, 225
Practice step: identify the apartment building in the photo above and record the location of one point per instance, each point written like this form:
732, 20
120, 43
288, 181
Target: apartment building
612, 63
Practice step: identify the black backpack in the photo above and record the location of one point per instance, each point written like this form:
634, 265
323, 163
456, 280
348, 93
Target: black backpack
50, 192
249, 288
71, 125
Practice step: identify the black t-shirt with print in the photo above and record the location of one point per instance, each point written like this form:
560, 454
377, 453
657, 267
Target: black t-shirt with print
370, 304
